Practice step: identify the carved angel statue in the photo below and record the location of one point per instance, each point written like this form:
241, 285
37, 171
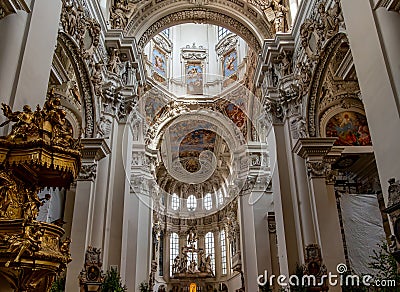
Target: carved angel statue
330, 19
8, 193
23, 121
30, 242
122, 10
275, 11
70, 18
64, 248
97, 79
114, 61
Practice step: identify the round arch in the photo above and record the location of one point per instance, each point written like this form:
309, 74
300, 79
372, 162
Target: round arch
327, 53
247, 21
85, 84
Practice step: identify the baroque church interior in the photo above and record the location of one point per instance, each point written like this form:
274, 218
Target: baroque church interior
199, 145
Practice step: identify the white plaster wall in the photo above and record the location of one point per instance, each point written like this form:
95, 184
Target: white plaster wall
261, 209
52, 209
375, 45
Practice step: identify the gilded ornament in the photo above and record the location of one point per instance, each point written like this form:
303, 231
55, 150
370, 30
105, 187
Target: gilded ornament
39, 152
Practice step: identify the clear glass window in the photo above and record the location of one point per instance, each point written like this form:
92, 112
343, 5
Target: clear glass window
175, 202
191, 203
208, 202
210, 249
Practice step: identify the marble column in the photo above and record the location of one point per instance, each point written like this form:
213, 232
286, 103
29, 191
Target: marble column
287, 233
323, 200
248, 248
104, 179
299, 186
83, 210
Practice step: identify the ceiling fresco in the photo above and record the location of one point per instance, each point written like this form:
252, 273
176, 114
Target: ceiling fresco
189, 139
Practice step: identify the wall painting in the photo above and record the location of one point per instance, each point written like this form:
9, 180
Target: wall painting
350, 127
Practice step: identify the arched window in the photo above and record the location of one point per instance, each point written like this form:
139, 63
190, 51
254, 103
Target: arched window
175, 202
223, 252
210, 249
166, 32
220, 197
174, 250
222, 32
161, 258
191, 203
207, 202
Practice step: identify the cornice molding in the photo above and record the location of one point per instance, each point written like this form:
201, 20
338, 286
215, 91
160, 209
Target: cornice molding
313, 147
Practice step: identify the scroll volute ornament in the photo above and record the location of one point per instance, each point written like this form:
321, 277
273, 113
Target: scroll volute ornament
39, 152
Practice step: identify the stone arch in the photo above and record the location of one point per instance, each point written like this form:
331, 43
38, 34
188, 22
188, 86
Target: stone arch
234, 137
247, 21
85, 84
326, 55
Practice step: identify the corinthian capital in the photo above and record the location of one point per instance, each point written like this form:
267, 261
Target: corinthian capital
317, 168
274, 112
88, 172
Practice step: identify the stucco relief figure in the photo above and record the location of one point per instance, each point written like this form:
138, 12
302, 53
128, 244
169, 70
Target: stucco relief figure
119, 14
274, 10
122, 10
208, 265
114, 61
286, 64
70, 18
184, 262
192, 267
97, 79
176, 265
280, 13
330, 19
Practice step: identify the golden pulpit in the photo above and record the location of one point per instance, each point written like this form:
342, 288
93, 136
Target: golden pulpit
38, 152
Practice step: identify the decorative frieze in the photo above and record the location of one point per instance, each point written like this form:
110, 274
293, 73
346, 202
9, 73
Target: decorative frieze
194, 53
199, 15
